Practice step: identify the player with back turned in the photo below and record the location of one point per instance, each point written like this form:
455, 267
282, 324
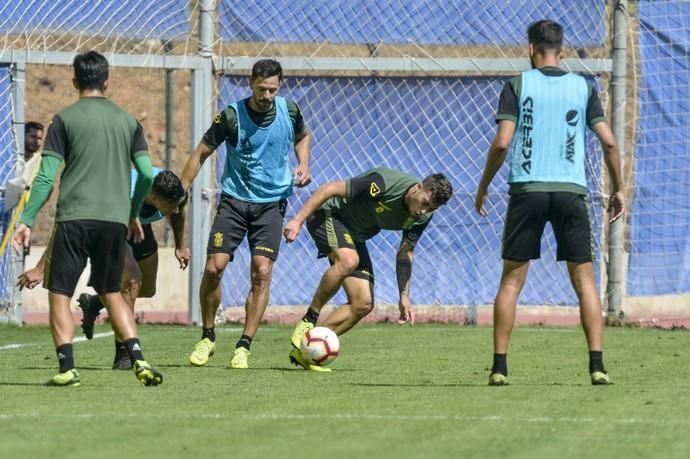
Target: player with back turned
542, 117
97, 140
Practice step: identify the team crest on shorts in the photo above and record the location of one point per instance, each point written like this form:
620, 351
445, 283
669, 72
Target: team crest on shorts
217, 239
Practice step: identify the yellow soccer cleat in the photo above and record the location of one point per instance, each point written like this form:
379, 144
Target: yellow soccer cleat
297, 360
240, 358
497, 379
146, 374
300, 329
202, 351
600, 378
68, 378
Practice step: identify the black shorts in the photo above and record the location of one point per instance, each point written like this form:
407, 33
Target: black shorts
330, 233
569, 217
261, 222
147, 247
75, 241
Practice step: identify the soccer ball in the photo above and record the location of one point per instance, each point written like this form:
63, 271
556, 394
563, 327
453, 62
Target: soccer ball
320, 346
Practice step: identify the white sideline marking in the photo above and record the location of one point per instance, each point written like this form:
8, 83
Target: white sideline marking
361, 417
78, 339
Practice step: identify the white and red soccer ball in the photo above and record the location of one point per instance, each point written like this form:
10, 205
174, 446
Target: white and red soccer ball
320, 346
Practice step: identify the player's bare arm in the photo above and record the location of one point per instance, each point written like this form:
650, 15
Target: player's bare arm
494, 160
321, 195
403, 272
612, 158
34, 276
176, 222
302, 174
194, 163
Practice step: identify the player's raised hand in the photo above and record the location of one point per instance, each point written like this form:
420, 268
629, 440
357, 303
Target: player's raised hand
302, 176
183, 256
479, 201
406, 312
21, 237
616, 206
291, 230
135, 232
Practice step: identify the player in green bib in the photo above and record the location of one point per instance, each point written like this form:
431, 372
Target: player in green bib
341, 216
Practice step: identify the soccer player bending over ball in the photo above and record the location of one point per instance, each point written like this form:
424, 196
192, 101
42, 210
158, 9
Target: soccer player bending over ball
341, 216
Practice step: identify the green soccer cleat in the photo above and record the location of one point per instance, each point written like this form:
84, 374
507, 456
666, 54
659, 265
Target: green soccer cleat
202, 351
240, 358
297, 360
300, 329
599, 378
89, 313
146, 374
68, 378
497, 379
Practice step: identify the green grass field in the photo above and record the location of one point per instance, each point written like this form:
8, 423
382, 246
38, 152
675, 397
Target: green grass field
396, 392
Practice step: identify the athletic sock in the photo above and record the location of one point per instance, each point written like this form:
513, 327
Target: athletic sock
120, 349
209, 333
134, 349
245, 342
500, 364
596, 361
65, 357
311, 316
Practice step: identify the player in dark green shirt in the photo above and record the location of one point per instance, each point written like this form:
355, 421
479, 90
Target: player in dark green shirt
98, 141
341, 216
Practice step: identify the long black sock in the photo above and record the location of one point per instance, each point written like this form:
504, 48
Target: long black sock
245, 342
209, 333
65, 357
311, 316
134, 349
596, 361
120, 349
500, 364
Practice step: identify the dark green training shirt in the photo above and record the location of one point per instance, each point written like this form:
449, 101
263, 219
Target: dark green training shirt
376, 200
98, 142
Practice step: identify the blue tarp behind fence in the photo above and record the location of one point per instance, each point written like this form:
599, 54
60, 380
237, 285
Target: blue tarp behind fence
7, 152
660, 214
150, 19
473, 22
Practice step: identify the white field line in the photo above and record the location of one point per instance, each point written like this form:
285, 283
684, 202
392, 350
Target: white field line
78, 339
361, 417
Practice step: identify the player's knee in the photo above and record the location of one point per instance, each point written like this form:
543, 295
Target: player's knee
213, 272
347, 262
362, 307
131, 284
261, 274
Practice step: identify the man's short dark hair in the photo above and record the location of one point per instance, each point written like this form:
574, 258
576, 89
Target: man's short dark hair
545, 35
90, 70
33, 126
440, 187
266, 68
168, 186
